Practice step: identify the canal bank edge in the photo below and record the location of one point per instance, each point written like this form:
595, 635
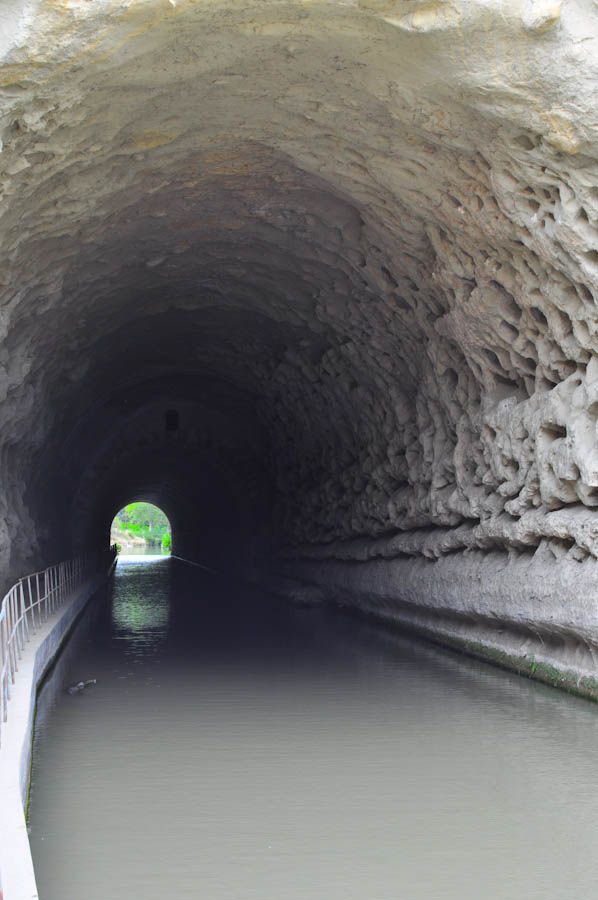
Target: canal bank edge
548, 633
557, 648
17, 876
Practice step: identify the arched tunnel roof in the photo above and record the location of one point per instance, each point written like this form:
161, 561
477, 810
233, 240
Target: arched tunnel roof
366, 282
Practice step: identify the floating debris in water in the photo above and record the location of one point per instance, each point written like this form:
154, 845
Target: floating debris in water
80, 686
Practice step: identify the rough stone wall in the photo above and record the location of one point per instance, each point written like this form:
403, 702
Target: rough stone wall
363, 235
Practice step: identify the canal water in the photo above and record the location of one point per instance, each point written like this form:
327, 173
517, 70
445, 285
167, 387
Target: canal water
235, 747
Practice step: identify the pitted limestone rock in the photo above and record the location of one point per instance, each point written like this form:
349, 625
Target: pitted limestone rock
380, 264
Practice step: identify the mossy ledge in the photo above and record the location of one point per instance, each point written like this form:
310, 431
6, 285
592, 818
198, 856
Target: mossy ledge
511, 615
567, 680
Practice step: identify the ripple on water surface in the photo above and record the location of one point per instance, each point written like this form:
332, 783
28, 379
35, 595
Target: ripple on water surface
237, 748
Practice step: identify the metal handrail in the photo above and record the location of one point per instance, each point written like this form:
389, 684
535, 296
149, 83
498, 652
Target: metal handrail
30, 602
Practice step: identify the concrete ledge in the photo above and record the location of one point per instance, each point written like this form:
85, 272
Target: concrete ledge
17, 876
528, 614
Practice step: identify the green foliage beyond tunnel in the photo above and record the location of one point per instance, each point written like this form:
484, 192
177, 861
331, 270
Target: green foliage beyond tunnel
141, 524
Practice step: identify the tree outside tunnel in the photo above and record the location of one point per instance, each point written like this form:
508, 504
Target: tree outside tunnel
141, 527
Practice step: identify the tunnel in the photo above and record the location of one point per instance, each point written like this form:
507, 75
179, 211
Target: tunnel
340, 324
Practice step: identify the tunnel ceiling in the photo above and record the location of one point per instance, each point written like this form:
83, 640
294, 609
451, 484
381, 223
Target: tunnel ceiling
355, 245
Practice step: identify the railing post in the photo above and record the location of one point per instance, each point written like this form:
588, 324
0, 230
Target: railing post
12, 650
31, 609
24, 628
38, 606
5, 662
16, 625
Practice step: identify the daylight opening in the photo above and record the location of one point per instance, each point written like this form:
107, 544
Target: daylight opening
141, 528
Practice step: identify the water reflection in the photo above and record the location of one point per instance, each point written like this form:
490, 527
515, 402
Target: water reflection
141, 606
237, 748
133, 554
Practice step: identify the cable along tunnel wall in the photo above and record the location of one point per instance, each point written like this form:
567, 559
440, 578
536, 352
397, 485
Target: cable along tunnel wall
366, 287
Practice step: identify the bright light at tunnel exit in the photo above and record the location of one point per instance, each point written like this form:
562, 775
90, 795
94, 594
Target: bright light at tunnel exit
141, 528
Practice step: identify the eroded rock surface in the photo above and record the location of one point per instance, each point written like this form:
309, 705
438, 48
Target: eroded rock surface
355, 245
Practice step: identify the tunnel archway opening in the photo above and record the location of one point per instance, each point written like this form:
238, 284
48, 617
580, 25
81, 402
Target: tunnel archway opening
142, 528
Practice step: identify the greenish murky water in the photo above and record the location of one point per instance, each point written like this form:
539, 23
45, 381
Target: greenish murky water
236, 748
